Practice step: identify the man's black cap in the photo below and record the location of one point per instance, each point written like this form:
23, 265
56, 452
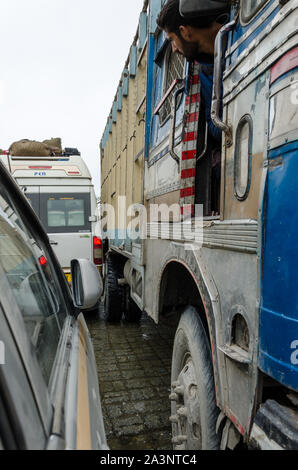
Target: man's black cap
194, 8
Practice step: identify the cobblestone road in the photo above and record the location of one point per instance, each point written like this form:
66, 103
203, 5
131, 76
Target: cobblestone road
134, 367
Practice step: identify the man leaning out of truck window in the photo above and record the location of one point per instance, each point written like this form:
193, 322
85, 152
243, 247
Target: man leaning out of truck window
194, 38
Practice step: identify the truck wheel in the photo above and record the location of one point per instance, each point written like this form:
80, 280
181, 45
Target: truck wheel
132, 313
194, 409
113, 293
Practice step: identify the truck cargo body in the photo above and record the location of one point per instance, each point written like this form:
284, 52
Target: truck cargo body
239, 273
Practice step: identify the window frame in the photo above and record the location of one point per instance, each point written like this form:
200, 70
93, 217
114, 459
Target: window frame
86, 197
167, 54
246, 119
247, 19
34, 201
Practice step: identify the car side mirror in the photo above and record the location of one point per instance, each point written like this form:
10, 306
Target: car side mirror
87, 286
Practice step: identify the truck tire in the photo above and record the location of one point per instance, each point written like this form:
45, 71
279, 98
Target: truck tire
132, 313
113, 293
194, 409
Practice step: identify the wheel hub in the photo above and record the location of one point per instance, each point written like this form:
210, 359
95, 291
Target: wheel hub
186, 410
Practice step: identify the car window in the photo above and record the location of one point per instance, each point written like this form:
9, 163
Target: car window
30, 277
23, 424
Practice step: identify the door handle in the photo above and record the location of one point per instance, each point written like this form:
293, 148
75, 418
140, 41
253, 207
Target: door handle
53, 243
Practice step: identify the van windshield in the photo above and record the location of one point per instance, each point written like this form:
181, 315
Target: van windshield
66, 213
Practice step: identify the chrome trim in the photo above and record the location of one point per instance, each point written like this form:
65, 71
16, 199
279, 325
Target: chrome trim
205, 144
217, 83
173, 126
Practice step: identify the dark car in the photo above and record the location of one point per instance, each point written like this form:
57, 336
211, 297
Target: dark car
49, 394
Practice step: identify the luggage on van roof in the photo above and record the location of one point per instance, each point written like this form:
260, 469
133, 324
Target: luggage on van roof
32, 148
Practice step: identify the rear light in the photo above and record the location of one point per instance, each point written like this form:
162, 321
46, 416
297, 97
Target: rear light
43, 261
97, 251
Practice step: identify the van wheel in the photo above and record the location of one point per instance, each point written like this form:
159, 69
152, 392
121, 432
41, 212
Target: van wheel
194, 409
113, 293
132, 313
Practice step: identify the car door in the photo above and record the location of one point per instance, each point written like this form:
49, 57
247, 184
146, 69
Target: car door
52, 340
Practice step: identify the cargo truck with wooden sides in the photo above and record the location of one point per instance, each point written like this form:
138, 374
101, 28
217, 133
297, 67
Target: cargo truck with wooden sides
233, 287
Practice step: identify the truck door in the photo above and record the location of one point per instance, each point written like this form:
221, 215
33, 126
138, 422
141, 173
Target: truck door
66, 219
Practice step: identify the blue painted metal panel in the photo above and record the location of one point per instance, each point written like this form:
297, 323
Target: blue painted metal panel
114, 112
240, 30
133, 61
119, 99
105, 137
142, 29
125, 82
155, 7
149, 101
279, 308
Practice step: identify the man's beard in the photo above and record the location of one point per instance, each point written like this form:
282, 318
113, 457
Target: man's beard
191, 52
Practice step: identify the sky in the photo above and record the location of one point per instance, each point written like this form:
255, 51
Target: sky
60, 65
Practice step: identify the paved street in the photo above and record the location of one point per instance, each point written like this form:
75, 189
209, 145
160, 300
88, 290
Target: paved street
134, 367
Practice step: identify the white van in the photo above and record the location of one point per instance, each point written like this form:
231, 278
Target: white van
61, 192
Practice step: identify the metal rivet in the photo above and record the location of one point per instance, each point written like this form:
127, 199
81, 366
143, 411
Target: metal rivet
174, 397
182, 412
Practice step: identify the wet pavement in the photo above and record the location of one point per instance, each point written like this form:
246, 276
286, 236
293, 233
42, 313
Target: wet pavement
134, 370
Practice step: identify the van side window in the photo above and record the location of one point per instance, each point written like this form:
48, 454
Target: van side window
29, 275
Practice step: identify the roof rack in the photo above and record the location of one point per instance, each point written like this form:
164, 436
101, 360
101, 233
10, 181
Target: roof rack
68, 152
